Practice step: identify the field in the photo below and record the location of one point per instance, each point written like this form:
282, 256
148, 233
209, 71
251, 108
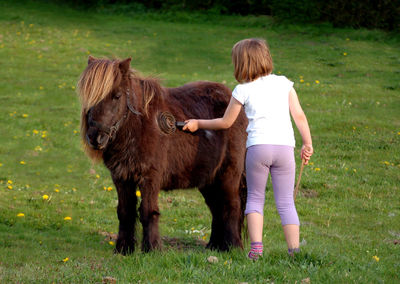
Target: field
58, 218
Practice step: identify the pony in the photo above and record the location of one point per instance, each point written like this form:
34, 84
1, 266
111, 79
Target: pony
120, 125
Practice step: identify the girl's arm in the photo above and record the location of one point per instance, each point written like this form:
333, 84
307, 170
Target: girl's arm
230, 115
302, 125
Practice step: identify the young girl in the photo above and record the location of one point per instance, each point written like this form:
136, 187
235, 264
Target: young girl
267, 99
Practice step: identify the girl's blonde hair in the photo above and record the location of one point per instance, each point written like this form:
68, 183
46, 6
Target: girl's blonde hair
251, 59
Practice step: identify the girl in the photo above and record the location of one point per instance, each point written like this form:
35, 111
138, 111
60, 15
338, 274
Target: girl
267, 99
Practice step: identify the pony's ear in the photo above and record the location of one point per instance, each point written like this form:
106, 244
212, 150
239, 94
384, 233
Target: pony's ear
124, 65
91, 59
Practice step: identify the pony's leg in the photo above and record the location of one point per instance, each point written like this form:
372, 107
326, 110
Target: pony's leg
149, 217
231, 215
212, 197
223, 199
127, 215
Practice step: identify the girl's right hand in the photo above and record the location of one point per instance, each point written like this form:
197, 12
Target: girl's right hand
192, 125
306, 153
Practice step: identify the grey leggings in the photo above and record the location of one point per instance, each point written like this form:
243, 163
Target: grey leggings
279, 160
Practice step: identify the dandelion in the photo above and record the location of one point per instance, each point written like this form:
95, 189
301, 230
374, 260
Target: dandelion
317, 169
344, 53
22, 163
316, 82
67, 218
45, 197
111, 243
9, 187
97, 176
109, 188
138, 194
35, 131
386, 163
10, 181
398, 133
20, 215
65, 259
175, 220
56, 190
376, 258
301, 80
25, 115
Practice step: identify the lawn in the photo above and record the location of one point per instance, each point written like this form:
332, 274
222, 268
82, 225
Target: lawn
58, 211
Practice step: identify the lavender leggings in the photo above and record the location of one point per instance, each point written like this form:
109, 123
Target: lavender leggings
279, 160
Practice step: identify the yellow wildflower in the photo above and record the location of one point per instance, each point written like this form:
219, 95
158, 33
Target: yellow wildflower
56, 190
20, 215
109, 188
317, 169
97, 176
9, 187
138, 194
65, 259
111, 243
376, 258
35, 131
1, 164
67, 218
22, 162
344, 53
316, 82
45, 197
41, 88
10, 181
301, 80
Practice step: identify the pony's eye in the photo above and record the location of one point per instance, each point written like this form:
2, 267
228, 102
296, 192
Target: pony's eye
117, 96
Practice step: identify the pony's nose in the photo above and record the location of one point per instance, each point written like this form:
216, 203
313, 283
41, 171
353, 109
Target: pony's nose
101, 140
96, 139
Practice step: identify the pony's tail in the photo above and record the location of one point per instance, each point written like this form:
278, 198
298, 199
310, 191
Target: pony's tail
243, 199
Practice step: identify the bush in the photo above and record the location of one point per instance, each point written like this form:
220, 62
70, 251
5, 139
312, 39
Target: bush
383, 14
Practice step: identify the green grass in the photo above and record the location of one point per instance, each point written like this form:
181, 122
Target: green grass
349, 203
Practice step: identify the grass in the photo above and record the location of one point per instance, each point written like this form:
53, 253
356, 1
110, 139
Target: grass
349, 204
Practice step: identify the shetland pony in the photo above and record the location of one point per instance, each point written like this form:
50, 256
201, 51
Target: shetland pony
120, 126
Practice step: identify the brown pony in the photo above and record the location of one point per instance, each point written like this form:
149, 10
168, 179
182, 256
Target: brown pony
120, 125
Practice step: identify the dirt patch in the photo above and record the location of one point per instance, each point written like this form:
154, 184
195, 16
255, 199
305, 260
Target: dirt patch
309, 193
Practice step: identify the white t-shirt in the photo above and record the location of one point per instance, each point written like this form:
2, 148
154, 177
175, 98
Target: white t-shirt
266, 103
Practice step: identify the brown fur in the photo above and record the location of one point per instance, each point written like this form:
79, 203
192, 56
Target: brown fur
140, 155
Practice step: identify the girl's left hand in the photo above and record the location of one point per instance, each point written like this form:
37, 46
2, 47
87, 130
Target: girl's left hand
192, 125
306, 153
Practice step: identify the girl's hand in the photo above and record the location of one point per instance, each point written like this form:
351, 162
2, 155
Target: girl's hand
306, 153
192, 125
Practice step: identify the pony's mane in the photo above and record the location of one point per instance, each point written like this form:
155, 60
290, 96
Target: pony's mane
97, 81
